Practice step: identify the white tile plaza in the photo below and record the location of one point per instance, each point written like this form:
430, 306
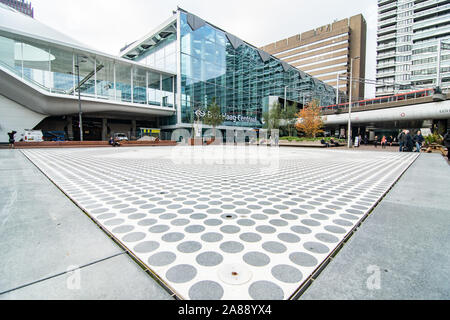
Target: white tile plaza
225, 222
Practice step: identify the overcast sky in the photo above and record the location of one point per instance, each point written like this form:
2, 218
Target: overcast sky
108, 25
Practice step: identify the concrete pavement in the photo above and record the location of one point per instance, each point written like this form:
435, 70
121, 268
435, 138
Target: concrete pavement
49, 249
402, 250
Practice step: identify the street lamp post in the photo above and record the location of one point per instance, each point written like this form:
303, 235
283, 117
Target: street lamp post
349, 133
285, 96
439, 53
79, 100
337, 89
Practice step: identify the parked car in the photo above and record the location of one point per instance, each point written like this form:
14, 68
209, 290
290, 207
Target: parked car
120, 137
33, 136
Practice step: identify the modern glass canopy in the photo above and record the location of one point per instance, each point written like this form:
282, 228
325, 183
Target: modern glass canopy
213, 64
53, 68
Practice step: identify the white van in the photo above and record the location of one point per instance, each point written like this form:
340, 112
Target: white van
33, 136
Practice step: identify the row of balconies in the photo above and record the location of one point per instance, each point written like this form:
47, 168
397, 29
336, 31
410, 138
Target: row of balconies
386, 55
387, 22
387, 37
432, 33
432, 21
387, 15
382, 3
383, 31
428, 3
431, 11
387, 7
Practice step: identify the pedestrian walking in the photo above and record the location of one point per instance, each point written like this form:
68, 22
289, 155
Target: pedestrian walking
390, 140
418, 140
383, 142
401, 140
447, 143
376, 142
12, 139
409, 142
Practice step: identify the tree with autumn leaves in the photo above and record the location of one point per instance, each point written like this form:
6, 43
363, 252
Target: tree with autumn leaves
310, 120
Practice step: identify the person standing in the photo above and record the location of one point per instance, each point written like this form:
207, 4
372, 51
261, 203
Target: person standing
390, 141
11, 139
418, 140
447, 143
376, 142
401, 140
383, 142
408, 142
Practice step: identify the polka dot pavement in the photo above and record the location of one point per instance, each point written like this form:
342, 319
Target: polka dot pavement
227, 224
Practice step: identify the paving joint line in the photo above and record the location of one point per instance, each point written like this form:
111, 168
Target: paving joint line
61, 273
129, 253
316, 273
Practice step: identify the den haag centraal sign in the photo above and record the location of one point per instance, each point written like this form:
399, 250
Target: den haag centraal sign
227, 117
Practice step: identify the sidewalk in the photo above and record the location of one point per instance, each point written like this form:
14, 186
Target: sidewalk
402, 250
404, 243
43, 236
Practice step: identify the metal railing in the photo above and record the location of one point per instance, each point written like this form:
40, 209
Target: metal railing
381, 100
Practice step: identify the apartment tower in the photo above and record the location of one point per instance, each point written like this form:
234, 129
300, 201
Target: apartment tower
412, 38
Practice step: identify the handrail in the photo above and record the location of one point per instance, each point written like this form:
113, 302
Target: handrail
8, 68
13, 70
380, 100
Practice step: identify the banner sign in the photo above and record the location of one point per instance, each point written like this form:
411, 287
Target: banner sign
228, 117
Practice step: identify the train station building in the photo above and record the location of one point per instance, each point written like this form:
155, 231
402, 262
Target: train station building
48, 80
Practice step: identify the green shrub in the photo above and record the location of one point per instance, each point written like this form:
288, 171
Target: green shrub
434, 138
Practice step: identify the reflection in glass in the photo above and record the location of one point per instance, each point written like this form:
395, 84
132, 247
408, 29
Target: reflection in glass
238, 78
139, 85
36, 63
123, 82
167, 91
154, 89
86, 69
62, 73
105, 79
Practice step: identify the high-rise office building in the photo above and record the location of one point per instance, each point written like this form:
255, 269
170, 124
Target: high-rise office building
409, 35
21, 6
326, 53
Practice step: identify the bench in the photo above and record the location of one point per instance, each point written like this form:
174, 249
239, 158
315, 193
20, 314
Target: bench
435, 147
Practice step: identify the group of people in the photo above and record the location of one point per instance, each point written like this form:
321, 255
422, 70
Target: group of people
385, 141
407, 142
328, 144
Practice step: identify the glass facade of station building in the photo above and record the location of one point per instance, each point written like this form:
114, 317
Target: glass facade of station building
52, 65
165, 78
54, 69
213, 65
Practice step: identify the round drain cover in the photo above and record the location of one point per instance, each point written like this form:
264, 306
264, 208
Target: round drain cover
235, 274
